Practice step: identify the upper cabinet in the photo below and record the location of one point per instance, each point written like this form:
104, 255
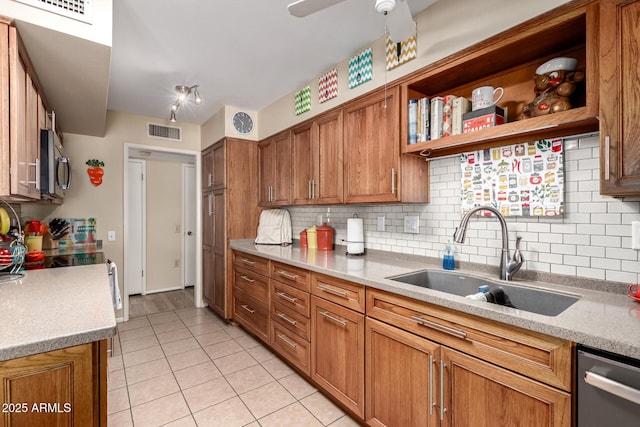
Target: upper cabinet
619, 98
274, 163
316, 150
509, 60
22, 115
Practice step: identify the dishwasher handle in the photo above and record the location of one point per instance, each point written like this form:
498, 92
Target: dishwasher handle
610, 386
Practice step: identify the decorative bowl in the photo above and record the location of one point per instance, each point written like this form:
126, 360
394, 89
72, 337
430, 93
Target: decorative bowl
555, 64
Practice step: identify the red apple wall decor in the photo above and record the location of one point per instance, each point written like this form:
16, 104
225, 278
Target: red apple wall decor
95, 171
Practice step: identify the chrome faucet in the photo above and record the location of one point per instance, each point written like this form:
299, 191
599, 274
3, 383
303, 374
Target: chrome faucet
508, 266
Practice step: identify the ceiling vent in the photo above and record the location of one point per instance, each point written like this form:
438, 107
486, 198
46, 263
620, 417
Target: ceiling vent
82, 10
164, 132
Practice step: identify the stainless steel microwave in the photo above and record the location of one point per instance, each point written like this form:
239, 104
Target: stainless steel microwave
55, 169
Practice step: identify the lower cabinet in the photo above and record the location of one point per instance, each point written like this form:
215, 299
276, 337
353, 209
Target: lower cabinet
66, 387
337, 352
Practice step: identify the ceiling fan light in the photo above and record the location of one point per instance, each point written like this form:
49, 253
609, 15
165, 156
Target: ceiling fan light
172, 118
197, 97
174, 107
385, 6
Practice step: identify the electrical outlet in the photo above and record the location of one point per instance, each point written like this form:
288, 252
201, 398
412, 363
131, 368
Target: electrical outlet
635, 234
111, 236
412, 224
381, 224
319, 220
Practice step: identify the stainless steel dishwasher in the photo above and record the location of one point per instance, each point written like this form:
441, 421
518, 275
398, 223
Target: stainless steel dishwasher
608, 389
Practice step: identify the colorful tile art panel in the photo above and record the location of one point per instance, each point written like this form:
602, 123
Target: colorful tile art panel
525, 179
360, 68
302, 100
328, 86
399, 53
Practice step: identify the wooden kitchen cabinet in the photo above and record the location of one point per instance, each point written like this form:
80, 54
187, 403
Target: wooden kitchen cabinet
337, 352
274, 163
374, 170
68, 387
230, 211
317, 150
619, 98
402, 378
251, 294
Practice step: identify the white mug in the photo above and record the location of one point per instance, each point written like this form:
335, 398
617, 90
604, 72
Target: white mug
483, 97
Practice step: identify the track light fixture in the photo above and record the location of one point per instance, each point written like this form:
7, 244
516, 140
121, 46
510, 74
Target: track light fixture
183, 93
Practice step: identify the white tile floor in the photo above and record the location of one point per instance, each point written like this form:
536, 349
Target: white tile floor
189, 368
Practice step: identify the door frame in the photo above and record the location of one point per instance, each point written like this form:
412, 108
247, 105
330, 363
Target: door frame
185, 211
197, 294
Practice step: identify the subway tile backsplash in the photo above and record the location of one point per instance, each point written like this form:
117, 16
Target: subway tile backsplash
592, 239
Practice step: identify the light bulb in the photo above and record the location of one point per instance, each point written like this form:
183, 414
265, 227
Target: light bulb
197, 97
173, 117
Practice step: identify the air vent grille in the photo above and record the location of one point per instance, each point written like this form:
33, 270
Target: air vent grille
81, 10
164, 132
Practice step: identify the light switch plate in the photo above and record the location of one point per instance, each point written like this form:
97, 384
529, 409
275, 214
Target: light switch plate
635, 234
111, 236
381, 223
412, 224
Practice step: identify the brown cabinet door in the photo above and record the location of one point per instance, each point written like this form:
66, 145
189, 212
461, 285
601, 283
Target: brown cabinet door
327, 184
479, 394
207, 169
337, 352
219, 165
302, 159
221, 289
402, 380
372, 150
274, 159
619, 98
207, 247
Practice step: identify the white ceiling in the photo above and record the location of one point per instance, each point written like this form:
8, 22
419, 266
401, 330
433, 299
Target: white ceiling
242, 53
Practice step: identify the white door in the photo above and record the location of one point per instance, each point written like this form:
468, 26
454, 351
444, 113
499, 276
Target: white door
189, 224
134, 277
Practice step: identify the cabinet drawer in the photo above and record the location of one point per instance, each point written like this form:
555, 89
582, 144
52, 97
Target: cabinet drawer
254, 263
535, 355
290, 297
252, 314
347, 294
292, 276
255, 285
291, 347
292, 320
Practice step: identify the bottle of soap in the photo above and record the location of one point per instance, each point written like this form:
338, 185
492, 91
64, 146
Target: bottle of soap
483, 294
448, 263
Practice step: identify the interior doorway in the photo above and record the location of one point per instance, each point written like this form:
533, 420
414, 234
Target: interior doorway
144, 213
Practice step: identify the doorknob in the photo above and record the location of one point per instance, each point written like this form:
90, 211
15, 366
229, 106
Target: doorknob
189, 233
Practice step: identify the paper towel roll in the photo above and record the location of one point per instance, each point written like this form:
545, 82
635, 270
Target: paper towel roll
355, 236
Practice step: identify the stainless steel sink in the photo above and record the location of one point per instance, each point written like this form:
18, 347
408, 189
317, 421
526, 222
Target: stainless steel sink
534, 300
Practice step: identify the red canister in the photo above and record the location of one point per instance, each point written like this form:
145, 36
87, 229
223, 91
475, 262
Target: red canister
303, 239
325, 238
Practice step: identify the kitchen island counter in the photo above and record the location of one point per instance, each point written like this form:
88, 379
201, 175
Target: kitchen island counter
55, 308
603, 320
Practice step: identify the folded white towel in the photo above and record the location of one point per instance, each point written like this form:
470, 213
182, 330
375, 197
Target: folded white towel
113, 284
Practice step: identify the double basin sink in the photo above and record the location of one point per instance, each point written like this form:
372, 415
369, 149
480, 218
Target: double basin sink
540, 301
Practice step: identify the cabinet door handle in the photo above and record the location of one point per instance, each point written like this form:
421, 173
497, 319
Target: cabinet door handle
286, 297
393, 180
286, 319
247, 308
455, 332
310, 190
247, 261
209, 179
37, 174
431, 402
210, 201
607, 147
283, 338
247, 279
314, 192
443, 410
330, 317
333, 291
610, 386
287, 275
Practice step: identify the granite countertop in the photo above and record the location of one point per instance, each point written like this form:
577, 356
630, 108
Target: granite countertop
55, 308
604, 320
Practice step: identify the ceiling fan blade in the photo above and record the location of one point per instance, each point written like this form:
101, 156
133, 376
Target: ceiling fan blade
400, 23
303, 8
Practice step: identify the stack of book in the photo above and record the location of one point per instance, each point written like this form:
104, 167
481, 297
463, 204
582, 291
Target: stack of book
437, 117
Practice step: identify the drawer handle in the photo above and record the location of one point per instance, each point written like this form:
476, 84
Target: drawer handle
247, 279
455, 332
333, 291
287, 275
286, 297
330, 317
247, 261
291, 344
286, 319
432, 404
247, 308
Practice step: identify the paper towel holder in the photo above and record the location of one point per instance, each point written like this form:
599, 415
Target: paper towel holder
355, 244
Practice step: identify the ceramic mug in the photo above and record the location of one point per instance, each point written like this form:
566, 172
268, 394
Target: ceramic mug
634, 290
484, 96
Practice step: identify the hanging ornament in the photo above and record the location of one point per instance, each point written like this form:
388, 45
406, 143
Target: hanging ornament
95, 171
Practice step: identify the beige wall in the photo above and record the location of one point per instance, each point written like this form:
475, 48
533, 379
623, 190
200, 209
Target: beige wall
221, 124
443, 28
164, 217
105, 203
